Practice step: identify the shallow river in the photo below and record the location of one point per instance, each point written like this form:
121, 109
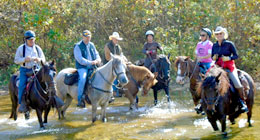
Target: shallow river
175, 120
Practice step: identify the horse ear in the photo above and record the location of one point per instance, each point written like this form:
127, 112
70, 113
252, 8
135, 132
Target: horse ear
217, 78
155, 75
42, 63
187, 58
53, 62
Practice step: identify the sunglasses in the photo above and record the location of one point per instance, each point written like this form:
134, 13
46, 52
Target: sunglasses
218, 34
202, 35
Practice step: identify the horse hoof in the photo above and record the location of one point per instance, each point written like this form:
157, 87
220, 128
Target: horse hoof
42, 128
27, 115
93, 120
224, 134
250, 125
104, 119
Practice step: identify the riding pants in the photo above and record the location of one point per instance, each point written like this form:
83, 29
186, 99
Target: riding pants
83, 73
22, 84
234, 77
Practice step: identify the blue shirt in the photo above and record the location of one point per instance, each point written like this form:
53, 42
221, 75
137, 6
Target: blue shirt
227, 48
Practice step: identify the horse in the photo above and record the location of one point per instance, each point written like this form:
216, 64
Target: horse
39, 95
186, 67
99, 90
220, 98
138, 76
163, 66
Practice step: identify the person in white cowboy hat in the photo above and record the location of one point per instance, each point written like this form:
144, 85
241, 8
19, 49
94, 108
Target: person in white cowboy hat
87, 57
113, 47
224, 53
150, 49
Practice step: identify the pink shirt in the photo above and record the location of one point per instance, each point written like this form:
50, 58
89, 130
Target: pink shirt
203, 49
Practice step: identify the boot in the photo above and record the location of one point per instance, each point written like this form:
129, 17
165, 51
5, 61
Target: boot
23, 107
81, 104
241, 100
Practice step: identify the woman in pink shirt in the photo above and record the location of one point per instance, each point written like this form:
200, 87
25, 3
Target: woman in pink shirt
204, 49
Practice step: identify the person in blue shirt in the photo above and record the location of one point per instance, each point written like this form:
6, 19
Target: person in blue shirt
87, 57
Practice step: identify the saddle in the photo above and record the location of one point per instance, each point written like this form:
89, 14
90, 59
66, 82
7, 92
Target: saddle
72, 78
30, 76
244, 83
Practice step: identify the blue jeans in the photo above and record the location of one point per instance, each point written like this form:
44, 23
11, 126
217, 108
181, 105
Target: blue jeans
114, 87
204, 67
22, 84
83, 73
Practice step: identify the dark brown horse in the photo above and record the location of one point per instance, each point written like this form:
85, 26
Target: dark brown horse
220, 98
139, 76
41, 94
186, 67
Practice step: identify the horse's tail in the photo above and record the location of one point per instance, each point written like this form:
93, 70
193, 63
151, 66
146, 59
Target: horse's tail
12, 91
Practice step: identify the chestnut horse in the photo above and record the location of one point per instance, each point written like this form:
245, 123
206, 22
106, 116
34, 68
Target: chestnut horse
186, 67
138, 76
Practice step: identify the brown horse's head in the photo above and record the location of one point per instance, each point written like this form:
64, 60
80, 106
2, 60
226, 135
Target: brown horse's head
46, 74
183, 68
149, 81
215, 85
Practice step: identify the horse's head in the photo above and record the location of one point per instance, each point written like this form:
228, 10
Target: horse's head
119, 69
47, 74
149, 81
182, 65
212, 88
164, 67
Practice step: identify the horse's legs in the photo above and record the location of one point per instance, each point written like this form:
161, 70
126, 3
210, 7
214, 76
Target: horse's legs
155, 96
213, 122
223, 124
103, 112
46, 112
14, 109
130, 98
249, 114
94, 111
39, 115
166, 89
67, 103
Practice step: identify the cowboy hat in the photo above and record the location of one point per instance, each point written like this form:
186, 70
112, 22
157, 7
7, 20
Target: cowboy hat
116, 36
220, 29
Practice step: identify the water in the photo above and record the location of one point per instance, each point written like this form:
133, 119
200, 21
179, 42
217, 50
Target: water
174, 120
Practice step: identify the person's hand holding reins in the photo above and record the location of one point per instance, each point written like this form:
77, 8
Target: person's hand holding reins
226, 58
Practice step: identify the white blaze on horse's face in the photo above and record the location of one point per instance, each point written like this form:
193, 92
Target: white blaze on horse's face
179, 79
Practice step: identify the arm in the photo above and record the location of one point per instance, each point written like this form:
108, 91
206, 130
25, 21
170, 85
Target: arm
98, 59
159, 47
107, 53
41, 55
79, 58
234, 52
144, 49
19, 59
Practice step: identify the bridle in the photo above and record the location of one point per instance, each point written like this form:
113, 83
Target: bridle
186, 73
212, 100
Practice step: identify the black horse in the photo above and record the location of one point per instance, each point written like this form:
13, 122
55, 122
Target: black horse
220, 98
41, 94
163, 67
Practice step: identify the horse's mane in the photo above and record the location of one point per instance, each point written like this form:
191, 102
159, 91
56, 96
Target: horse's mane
138, 72
209, 81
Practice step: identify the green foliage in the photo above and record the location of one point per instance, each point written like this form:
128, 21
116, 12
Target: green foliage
58, 26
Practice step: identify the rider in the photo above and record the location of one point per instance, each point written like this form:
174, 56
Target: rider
86, 57
113, 47
27, 55
224, 53
150, 49
204, 49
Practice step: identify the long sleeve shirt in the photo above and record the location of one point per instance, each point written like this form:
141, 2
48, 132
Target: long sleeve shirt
85, 61
31, 52
227, 48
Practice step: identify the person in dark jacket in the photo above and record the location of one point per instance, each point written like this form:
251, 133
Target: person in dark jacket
150, 50
224, 53
86, 57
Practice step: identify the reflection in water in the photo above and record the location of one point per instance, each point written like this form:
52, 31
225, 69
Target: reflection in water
174, 120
